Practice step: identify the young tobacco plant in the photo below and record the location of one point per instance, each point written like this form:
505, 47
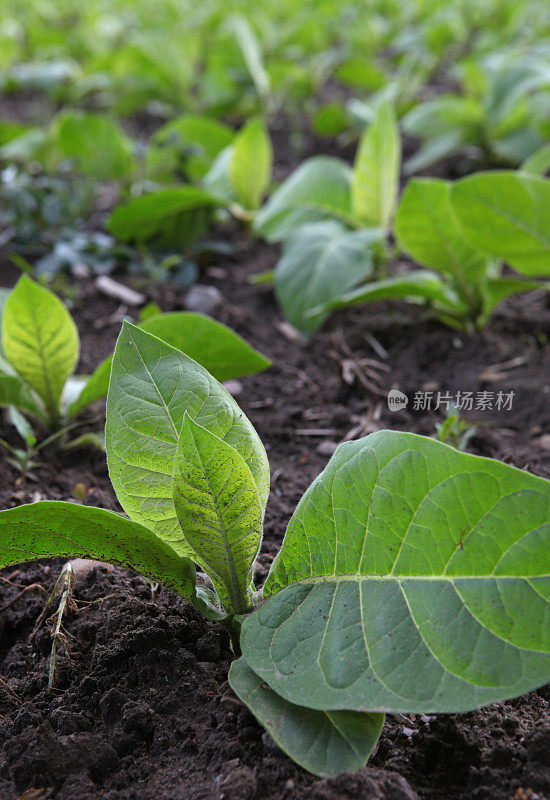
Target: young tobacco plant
39, 348
234, 170
335, 224
465, 232
412, 577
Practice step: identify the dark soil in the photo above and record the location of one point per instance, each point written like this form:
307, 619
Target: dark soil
141, 707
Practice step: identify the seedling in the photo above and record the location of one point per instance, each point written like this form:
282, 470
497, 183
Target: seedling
453, 430
177, 216
24, 459
40, 346
413, 578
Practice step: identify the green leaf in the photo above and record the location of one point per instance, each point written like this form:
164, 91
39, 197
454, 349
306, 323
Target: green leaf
48, 528
217, 181
498, 289
219, 512
325, 743
40, 340
22, 426
190, 142
507, 215
427, 229
412, 577
434, 150
4, 294
539, 162
252, 54
319, 189
250, 165
216, 347
319, 262
421, 284
95, 142
174, 217
95, 388
376, 170
330, 120
14, 392
152, 386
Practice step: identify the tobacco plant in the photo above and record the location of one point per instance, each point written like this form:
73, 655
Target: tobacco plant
39, 349
412, 577
336, 225
234, 170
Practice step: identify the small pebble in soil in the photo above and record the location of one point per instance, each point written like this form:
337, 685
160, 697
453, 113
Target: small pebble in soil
203, 299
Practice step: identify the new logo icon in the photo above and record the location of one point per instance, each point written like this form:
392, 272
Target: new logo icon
397, 400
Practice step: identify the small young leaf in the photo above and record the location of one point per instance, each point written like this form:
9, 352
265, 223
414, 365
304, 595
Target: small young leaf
252, 54
319, 262
152, 386
189, 143
219, 512
507, 215
319, 189
40, 340
426, 228
50, 528
376, 170
251, 161
325, 743
394, 594
14, 392
498, 289
222, 352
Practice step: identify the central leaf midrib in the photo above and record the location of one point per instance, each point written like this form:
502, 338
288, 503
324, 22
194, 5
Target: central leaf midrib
234, 588
50, 401
392, 577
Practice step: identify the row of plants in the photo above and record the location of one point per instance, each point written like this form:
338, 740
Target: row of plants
127, 58
339, 225
100, 64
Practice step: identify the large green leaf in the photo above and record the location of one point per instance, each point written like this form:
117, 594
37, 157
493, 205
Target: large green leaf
175, 217
40, 340
15, 392
250, 165
49, 528
323, 742
376, 170
320, 261
319, 189
427, 229
507, 214
95, 142
215, 346
219, 511
152, 386
413, 577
